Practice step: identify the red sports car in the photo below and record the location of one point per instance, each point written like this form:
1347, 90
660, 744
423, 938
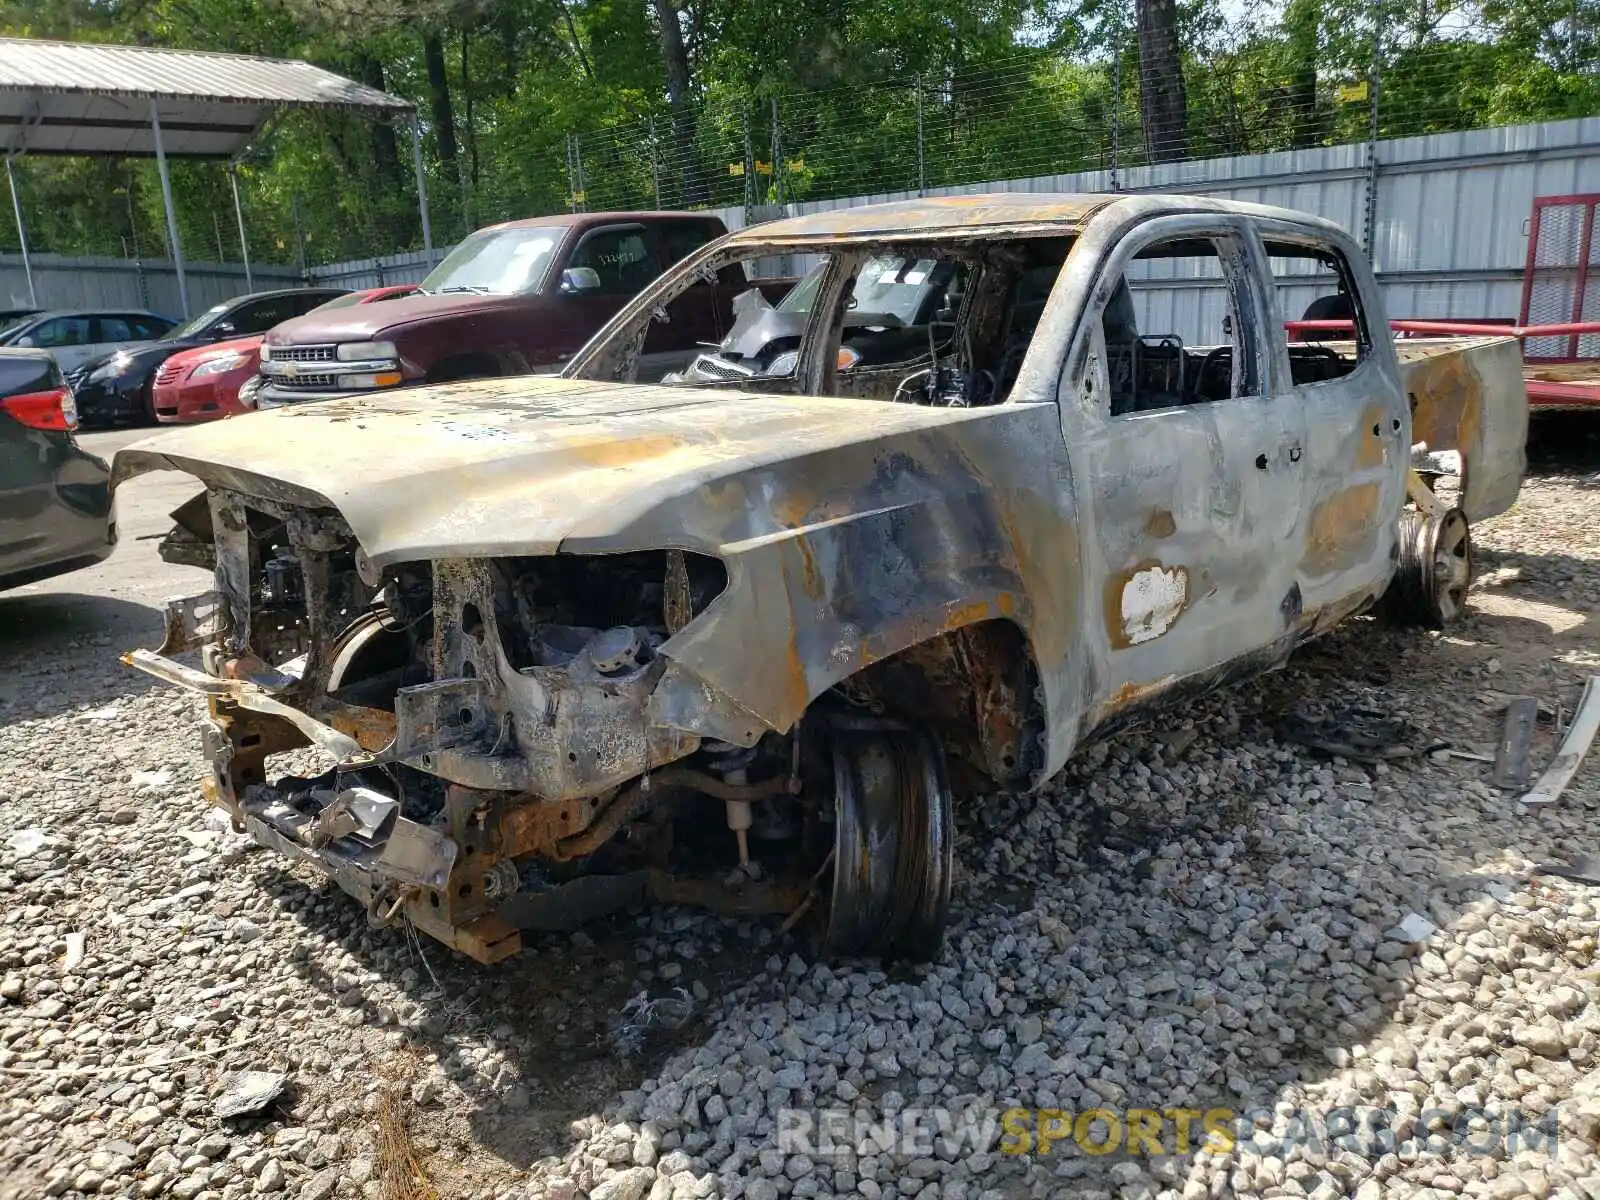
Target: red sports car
203, 384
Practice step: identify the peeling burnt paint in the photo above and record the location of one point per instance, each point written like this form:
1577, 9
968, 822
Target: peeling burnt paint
1143, 601
1457, 390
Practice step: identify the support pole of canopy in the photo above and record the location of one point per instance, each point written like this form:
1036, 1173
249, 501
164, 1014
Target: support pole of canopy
166, 199
422, 191
238, 213
22, 233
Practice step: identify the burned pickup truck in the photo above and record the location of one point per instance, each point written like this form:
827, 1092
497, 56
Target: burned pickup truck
568, 644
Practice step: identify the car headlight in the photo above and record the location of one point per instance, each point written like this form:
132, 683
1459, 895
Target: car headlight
365, 351
217, 365
118, 363
786, 362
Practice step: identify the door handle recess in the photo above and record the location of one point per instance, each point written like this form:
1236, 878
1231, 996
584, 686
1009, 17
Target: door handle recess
1294, 454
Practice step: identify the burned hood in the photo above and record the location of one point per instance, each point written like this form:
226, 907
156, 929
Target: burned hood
530, 466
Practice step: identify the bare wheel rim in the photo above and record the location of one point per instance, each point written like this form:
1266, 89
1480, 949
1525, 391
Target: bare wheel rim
1451, 564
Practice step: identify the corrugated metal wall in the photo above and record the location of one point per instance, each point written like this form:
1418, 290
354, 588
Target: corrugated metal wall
64, 282
380, 272
1450, 237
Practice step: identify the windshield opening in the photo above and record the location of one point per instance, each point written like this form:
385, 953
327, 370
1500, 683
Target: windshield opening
192, 327
496, 262
890, 286
930, 323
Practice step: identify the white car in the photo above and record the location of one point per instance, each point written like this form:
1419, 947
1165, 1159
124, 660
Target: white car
77, 336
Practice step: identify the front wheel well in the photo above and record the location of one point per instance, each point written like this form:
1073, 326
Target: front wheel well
976, 688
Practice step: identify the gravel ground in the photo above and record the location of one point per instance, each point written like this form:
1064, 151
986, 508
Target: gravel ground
1200, 915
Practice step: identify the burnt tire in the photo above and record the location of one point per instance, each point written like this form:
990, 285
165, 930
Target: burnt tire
1434, 571
894, 852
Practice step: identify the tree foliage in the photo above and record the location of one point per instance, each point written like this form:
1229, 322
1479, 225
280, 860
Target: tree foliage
750, 101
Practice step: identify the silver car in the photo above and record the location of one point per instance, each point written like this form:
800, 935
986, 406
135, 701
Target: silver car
78, 336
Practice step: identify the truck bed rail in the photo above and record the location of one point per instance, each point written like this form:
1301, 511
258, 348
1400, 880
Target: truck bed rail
1566, 383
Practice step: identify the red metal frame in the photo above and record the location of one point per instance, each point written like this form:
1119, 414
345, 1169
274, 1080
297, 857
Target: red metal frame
1452, 328
1533, 270
1541, 393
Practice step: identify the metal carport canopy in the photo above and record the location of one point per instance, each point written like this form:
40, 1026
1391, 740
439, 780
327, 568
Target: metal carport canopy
71, 98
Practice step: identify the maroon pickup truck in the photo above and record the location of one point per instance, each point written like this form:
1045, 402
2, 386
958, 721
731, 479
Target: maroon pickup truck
511, 299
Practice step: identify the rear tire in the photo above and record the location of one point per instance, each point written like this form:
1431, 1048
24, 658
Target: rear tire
893, 846
1430, 583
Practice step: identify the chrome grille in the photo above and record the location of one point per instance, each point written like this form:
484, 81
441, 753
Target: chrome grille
169, 371
303, 381
709, 366
303, 354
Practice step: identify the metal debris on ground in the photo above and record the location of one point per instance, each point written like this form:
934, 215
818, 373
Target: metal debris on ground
644, 1022
248, 1092
1584, 868
1357, 732
1574, 745
1511, 766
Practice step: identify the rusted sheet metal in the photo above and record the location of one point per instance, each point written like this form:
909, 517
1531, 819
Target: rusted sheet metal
1457, 388
514, 466
974, 216
1343, 527
245, 694
983, 215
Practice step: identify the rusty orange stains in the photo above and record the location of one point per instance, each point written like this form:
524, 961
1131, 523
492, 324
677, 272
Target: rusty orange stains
810, 574
1446, 400
606, 453
965, 614
1131, 693
1160, 524
1340, 527
1370, 436
929, 215
373, 728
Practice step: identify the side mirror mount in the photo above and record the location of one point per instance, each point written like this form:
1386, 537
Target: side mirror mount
27, 341
223, 329
579, 279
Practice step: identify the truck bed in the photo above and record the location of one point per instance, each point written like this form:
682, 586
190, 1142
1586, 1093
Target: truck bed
1467, 395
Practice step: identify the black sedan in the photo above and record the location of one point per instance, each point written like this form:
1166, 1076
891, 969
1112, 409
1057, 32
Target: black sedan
117, 387
56, 513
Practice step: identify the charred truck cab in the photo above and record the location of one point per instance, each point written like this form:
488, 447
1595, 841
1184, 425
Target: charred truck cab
567, 644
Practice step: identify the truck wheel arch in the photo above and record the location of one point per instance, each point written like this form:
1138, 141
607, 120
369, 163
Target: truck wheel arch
975, 687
